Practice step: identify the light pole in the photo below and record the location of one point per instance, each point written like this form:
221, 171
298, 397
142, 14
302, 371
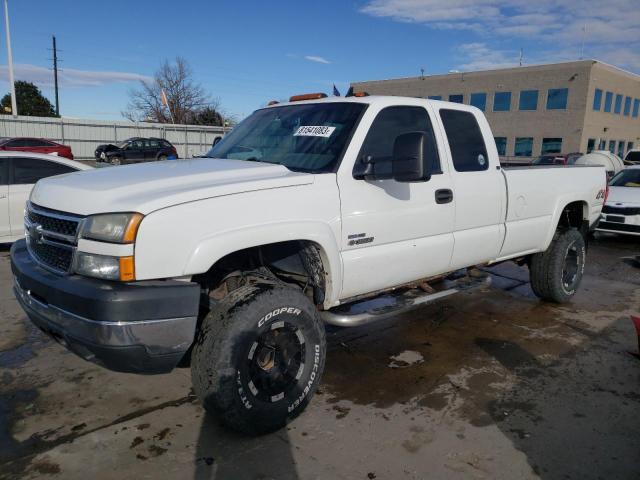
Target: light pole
14, 105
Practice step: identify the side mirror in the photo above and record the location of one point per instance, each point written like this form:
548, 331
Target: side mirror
408, 158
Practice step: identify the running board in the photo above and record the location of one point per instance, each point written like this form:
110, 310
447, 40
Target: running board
384, 306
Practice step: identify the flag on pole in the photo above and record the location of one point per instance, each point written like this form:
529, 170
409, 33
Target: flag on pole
163, 97
336, 93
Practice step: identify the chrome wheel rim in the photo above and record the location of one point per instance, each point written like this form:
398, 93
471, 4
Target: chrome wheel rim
570, 267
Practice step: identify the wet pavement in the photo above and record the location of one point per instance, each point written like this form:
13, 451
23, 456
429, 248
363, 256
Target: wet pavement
490, 383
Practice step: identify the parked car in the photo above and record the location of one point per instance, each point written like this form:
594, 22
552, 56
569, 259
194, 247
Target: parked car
134, 150
621, 212
557, 159
36, 145
232, 263
610, 161
19, 171
632, 157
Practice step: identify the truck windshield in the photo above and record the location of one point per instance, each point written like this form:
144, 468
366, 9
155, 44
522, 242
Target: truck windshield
306, 138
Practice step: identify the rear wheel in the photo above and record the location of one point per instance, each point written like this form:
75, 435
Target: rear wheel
259, 357
557, 272
161, 157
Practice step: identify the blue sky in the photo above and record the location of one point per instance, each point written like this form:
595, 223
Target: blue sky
246, 53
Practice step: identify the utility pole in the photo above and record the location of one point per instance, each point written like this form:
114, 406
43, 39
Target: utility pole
12, 86
55, 75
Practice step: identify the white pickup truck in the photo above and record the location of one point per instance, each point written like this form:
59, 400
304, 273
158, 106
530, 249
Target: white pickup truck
305, 212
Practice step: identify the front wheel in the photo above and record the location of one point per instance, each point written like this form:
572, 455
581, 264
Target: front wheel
116, 160
557, 272
259, 357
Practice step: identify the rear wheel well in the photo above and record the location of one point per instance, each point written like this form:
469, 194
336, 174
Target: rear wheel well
575, 215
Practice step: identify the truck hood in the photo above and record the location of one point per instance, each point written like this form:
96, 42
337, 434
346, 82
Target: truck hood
151, 186
623, 195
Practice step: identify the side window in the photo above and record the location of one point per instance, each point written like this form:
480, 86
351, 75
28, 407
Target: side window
468, 151
35, 142
138, 144
19, 142
30, 170
4, 171
154, 144
389, 124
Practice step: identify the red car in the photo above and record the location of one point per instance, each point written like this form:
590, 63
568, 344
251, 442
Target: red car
37, 145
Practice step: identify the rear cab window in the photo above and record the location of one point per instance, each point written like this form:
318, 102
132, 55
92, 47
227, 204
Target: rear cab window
466, 142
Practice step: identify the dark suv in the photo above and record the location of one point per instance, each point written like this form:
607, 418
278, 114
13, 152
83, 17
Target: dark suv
135, 150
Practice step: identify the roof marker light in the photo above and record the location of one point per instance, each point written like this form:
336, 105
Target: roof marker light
307, 96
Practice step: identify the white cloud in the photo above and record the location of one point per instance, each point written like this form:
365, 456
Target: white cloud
611, 30
68, 77
317, 59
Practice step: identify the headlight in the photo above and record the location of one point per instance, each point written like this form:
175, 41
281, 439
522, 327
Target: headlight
112, 227
105, 267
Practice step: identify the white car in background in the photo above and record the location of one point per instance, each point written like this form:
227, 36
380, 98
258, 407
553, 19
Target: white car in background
621, 213
19, 171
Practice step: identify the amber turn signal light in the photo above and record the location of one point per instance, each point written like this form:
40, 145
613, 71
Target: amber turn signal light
127, 269
132, 228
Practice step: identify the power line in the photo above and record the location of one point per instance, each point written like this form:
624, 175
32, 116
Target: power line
55, 74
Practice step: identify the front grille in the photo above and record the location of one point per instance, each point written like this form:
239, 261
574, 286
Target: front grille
621, 210
51, 237
53, 224
619, 227
58, 258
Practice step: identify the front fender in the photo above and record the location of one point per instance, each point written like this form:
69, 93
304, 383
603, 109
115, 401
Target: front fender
210, 250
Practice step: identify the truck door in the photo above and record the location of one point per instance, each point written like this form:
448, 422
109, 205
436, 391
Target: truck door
478, 186
5, 225
393, 232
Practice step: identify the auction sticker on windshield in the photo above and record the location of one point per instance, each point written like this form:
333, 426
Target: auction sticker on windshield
314, 131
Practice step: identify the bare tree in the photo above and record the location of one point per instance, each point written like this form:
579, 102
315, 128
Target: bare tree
185, 98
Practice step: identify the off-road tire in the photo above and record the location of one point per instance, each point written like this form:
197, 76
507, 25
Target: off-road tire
557, 272
226, 357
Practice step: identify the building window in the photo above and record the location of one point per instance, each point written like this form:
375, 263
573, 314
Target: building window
501, 145
591, 144
602, 145
597, 100
636, 107
456, 98
629, 146
502, 101
479, 100
617, 108
627, 106
621, 148
551, 145
529, 100
435, 97
523, 147
557, 98
608, 98
612, 146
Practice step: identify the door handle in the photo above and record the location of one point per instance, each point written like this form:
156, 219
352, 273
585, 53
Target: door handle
444, 195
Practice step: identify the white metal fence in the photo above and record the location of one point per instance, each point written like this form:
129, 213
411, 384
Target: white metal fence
83, 136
